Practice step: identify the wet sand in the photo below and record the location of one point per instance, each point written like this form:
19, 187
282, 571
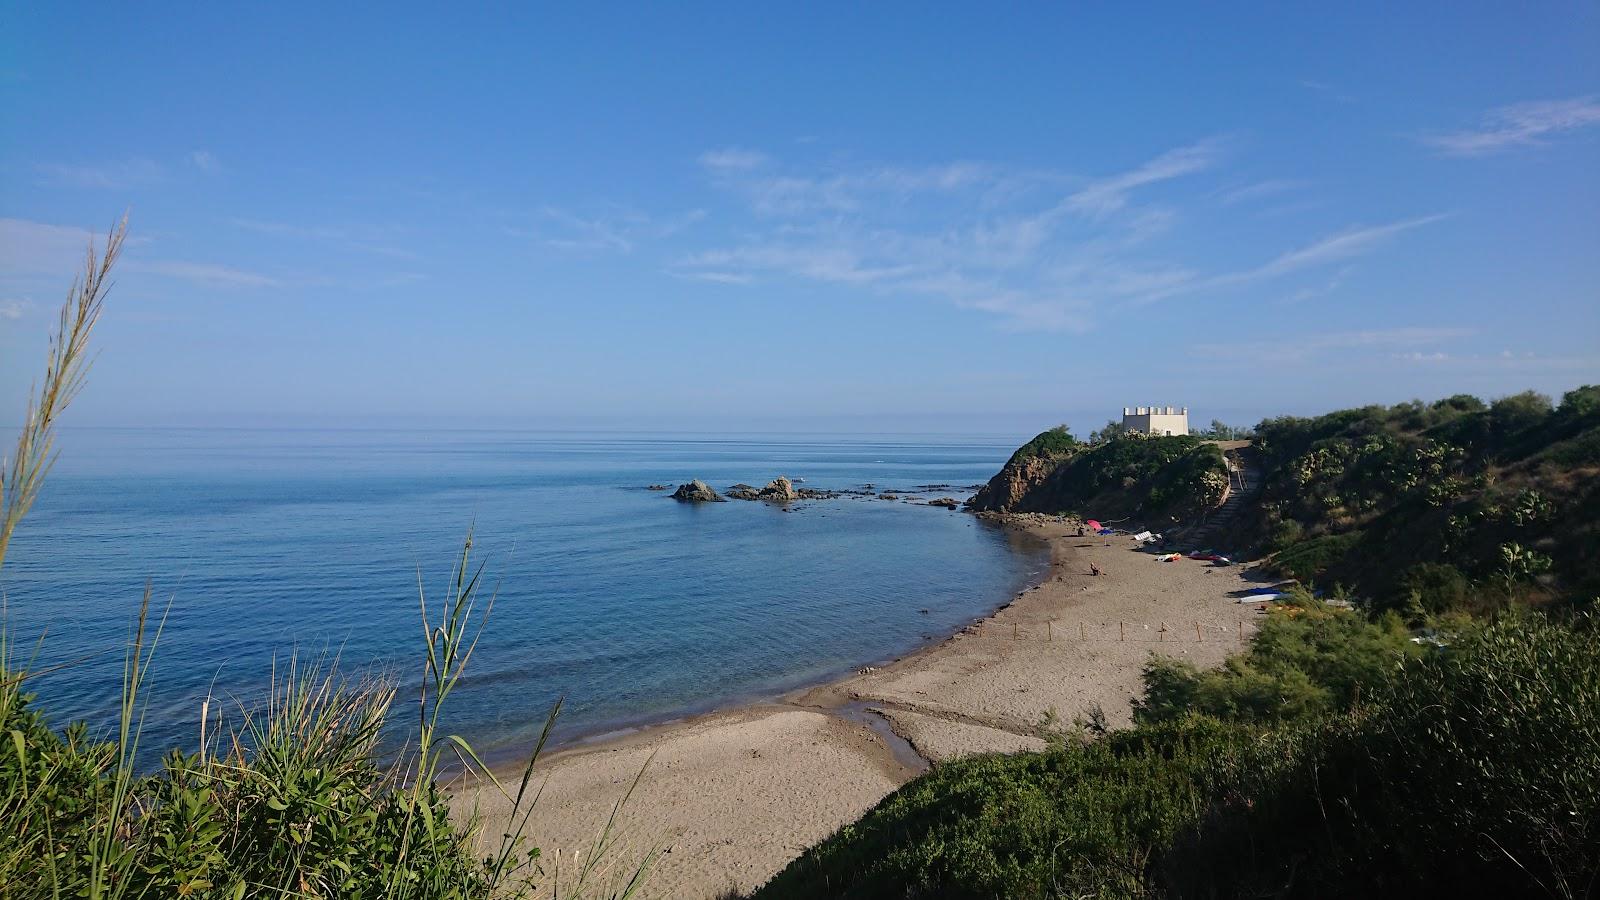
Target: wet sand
727, 799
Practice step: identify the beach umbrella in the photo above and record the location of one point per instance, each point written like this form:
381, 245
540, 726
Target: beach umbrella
1093, 524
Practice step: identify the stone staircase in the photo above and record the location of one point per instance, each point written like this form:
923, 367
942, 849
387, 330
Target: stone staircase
1243, 489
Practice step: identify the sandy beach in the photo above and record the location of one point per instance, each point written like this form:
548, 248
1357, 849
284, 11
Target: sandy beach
729, 798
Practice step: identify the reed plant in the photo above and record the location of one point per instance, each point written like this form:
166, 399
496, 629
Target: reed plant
287, 797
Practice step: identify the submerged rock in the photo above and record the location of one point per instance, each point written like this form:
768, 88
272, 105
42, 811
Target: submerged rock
656, 487
696, 491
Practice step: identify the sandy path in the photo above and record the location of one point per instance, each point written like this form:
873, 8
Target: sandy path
731, 797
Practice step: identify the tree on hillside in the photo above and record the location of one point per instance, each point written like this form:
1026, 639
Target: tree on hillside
1222, 431
1112, 430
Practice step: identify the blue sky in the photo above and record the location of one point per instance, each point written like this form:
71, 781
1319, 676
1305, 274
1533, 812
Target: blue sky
866, 216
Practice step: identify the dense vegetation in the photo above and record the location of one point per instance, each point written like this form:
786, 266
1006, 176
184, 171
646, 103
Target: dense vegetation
1056, 443
1131, 475
1409, 772
1440, 737
1408, 505
1308, 659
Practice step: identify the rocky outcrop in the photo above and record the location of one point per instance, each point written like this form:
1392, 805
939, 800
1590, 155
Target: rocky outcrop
779, 490
946, 502
1014, 484
696, 491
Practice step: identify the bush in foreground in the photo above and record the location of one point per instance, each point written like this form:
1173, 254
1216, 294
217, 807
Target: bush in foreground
1476, 774
1472, 771
288, 801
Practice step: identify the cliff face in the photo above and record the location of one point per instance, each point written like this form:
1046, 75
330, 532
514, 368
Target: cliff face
1016, 488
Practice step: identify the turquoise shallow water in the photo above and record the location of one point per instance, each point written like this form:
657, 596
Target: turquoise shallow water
634, 607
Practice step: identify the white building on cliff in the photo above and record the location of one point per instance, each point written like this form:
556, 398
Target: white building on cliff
1163, 420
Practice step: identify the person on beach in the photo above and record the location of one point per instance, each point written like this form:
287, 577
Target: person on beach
1094, 569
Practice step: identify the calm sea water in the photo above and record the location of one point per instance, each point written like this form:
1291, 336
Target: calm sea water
634, 607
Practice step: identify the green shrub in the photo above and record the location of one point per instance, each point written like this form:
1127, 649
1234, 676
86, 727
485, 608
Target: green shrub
1308, 659
1080, 820
1058, 441
1284, 534
1309, 559
1475, 773
1431, 589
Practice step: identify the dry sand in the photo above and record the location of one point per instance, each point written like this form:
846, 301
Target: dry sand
729, 798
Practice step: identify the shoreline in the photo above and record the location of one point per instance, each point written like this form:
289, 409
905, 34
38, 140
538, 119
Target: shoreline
732, 794
513, 759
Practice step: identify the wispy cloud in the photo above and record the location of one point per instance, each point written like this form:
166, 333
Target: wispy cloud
205, 161
1270, 187
379, 239
732, 159
1038, 250
209, 274
973, 234
713, 276
12, 309
1519, 125
1412, 342
1327, 91
34, 247
124, 175
1311, 293
781, 193
1341, 246
1111, 194
618, 230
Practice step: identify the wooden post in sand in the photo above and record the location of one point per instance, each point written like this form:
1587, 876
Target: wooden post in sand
1122, 630
1083, 632
1161, 635
1197, 636
1241, 631
1013, 631
1049, 631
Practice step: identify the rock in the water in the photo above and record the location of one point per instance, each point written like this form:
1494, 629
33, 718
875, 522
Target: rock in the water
696, 491
656, 487
888, 497
946, 502
779, 490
